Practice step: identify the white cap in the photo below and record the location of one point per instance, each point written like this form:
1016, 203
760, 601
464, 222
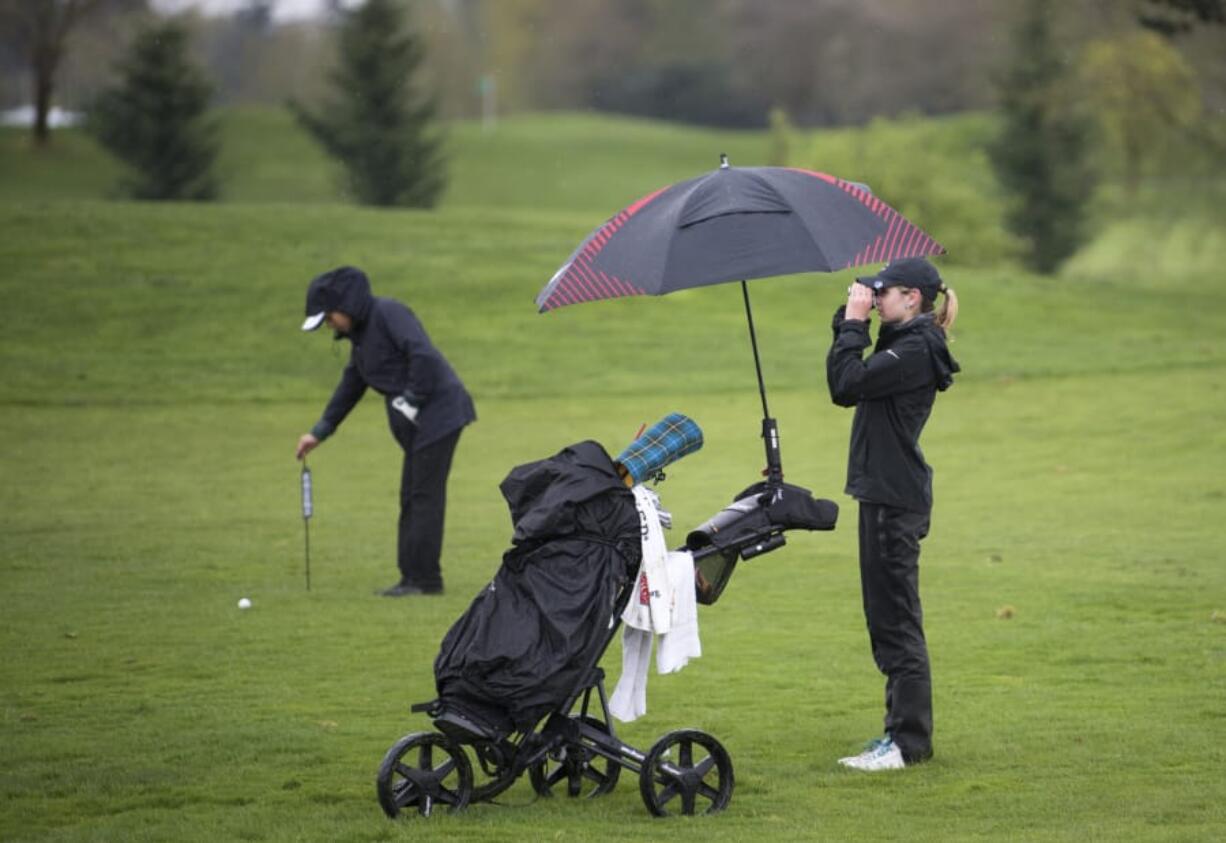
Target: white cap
313, 322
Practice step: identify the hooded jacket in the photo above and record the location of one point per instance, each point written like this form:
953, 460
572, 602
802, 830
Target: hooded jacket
893, 392
392, 354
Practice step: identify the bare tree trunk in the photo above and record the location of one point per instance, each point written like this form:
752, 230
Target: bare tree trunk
45, 62
49, 22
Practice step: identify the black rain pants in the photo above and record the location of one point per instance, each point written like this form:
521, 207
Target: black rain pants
889, 582
423, 503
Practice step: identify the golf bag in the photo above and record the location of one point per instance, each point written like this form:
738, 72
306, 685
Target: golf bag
517, 675
538, 628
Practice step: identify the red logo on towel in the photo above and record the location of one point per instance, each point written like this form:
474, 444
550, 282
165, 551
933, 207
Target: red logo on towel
644, 593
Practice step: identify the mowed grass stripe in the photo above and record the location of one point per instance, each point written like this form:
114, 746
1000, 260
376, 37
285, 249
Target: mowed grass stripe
154, 384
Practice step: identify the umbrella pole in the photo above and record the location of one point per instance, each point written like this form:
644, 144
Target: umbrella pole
770, 430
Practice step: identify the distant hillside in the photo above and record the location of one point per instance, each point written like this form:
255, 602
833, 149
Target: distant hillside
587, 166
548, 161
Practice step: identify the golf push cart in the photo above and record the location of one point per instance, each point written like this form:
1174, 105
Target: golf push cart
519, 686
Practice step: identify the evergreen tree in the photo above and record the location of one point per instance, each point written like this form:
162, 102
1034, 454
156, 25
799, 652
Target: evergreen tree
1172, 17
1042, 156
155, 118
378, 125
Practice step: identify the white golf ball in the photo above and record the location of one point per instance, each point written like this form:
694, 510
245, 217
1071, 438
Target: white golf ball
244, 603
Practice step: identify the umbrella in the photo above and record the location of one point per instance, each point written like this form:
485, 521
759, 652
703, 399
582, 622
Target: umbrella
735, 224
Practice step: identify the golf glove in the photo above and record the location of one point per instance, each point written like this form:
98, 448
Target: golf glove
406, 408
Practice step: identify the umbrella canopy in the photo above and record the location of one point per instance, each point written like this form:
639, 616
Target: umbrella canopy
734, 224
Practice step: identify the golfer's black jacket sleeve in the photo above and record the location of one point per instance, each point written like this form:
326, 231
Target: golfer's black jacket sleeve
901, 367
351, 388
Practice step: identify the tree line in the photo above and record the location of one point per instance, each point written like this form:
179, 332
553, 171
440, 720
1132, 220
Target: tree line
1061, 78
156, 116
714, 62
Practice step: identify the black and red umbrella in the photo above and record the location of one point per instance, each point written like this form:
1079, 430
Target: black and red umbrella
736, 224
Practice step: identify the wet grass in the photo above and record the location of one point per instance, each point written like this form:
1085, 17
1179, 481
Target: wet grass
155, 382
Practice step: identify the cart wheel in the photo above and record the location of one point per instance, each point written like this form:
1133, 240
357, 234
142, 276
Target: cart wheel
492, 773
697, 776
422, 770
578, 766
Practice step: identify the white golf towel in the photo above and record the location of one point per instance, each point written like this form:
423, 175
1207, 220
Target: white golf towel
650, 606
676, 646
680, 644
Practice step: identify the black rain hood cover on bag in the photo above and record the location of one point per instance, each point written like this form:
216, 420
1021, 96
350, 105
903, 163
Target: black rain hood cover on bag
530, 637
542, 496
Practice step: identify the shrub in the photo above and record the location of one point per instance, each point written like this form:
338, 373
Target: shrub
934, 172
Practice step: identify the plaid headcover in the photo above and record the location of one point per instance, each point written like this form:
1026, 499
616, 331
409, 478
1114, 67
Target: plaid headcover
666, 441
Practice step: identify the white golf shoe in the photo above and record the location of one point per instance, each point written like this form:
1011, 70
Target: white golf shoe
882, 754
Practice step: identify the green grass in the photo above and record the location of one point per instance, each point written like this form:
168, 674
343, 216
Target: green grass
72, 167
155, 382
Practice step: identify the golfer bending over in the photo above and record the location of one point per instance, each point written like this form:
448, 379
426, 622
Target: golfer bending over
427, 407
893, 392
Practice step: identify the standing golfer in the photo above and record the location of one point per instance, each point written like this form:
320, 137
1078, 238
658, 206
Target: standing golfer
427, 407
893, 391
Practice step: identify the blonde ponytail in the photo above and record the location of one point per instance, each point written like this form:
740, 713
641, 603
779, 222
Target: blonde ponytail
949, 310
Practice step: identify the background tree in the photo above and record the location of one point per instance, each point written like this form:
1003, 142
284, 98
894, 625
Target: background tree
843, 62
378, 124
40, 30
1041, 156
1174, 16
1145, 97
681, 68
155, 118
234, 47
1195, 28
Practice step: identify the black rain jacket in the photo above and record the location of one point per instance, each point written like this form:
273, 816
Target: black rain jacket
893, 392
531, 636
393, 354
